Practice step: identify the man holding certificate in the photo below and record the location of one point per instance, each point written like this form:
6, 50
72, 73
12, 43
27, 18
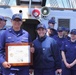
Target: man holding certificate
18, 50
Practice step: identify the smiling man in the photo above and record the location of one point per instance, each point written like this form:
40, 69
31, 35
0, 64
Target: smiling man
46, 55
14, 35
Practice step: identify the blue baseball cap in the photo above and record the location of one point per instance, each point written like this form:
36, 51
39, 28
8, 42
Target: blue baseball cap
41, 26
1, 17
73, 31
67, 30
52, 21
60, 29
16, 16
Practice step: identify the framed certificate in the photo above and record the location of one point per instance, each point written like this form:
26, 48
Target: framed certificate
18, 54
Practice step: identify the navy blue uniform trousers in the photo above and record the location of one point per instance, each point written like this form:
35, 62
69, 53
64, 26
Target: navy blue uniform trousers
66, 71
44, 72
16, 71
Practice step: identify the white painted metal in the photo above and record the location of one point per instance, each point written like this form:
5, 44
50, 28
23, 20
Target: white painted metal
58, 14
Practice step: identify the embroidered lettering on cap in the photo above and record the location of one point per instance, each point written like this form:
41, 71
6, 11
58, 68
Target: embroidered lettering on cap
17, 16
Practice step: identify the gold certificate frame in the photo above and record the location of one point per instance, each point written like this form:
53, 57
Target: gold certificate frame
18, 54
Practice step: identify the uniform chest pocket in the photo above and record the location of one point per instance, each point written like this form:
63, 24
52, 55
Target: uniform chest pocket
67, 48
9, 39
24, 40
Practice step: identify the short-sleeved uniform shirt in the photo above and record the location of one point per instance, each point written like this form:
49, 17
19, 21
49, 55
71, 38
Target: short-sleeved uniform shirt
70, 51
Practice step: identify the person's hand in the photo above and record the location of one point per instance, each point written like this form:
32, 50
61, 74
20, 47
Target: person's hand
59, 71
32, 49
73, 63
6, 65
67, 65
30, 71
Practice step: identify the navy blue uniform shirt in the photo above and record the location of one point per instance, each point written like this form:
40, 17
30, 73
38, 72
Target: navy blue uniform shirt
59, 41
70, 51
1, 32
9, 36
46, 55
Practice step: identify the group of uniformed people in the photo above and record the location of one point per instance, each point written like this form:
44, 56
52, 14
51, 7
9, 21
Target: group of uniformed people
54, 52
66, 46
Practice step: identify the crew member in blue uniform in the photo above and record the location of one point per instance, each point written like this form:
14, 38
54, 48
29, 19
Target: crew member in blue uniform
69, 55
66, 33
46, 56
2, 25
14, 35
2, 29
4, 22
60, 37
51, 30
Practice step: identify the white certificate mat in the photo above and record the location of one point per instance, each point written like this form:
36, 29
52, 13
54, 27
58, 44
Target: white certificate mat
19, 54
